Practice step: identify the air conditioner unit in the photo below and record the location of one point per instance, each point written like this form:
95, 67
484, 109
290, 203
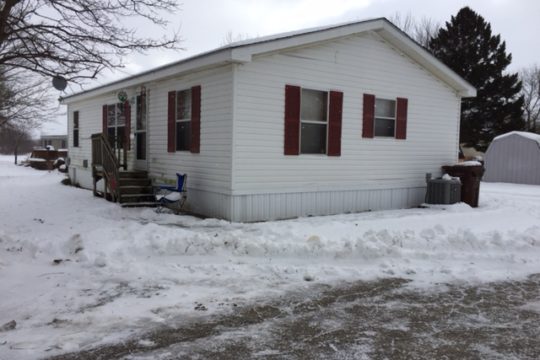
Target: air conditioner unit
442, 191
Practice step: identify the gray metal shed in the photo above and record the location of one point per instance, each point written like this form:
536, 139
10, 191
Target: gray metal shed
514, 157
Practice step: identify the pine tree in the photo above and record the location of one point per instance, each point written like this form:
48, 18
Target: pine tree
468, 47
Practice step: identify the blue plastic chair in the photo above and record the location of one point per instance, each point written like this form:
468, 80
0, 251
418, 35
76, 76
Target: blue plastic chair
172, 197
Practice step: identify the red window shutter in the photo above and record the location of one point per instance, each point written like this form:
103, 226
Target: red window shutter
334, 123
171, 122
104, 120
292, 120
195, 120
368, 116
127, 130
401, 118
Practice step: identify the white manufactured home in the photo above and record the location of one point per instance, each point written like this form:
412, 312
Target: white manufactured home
345, 118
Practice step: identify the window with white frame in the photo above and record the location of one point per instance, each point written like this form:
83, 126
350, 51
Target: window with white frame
313, 121
183, 120
385, 117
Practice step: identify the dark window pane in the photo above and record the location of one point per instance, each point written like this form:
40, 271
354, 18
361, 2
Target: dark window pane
141, 146
385, 108
183, 135
111, 135
141, 112
313, 105
76, 119
116, 137
120, 137
384, 127
76, 138
313, 138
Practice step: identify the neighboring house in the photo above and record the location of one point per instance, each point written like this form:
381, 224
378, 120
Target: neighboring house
56, 141
513, 157
339, 119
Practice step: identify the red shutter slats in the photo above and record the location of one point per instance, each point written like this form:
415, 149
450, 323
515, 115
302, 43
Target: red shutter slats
171, 114
104, 120
368, 116
292, 120
127, 130
401, 118
334, 123
195, 119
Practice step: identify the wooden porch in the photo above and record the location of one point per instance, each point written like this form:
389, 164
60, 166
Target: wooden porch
127, 187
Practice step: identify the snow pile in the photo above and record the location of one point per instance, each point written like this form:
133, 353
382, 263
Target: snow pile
78, 271
470, 163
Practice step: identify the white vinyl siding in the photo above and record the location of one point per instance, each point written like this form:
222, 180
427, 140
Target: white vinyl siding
355, 65
209, 172
241, 172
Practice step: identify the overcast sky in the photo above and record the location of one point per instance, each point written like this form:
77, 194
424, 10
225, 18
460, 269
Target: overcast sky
204, 24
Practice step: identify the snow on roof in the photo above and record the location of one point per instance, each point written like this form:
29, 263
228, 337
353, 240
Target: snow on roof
528, 135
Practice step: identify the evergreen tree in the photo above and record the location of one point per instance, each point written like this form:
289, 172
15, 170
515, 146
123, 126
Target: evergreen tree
468, 47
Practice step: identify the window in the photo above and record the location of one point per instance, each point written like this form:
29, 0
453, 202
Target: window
140, 130
75, 129
116, 123
183, 120
385, 117
313, 121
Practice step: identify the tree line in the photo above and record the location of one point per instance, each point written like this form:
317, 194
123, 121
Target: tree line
505, 101
79, 39
75, 39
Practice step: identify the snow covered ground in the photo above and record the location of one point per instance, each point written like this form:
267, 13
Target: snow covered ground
119, 272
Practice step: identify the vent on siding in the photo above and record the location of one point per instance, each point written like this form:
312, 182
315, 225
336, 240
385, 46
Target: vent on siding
441, 191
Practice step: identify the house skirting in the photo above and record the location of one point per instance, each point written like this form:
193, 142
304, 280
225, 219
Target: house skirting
275, 206
260, 207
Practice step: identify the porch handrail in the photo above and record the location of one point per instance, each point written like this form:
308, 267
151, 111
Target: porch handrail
103, 156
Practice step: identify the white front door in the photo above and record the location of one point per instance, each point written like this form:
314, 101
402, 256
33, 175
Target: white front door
141, 132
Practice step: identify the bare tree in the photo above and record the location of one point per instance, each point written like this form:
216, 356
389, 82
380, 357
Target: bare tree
16, 140
77, 39
25, 99
530, 89
419, 30
230, 38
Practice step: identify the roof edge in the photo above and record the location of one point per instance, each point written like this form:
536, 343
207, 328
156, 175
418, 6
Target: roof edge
243, 51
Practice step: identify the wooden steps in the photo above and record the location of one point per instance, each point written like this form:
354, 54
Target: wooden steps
135, 189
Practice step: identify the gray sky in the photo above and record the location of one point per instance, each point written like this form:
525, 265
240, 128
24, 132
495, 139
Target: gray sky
204, 24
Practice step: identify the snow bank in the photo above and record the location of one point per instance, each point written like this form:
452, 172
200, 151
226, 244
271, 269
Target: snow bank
78, 271
470, 163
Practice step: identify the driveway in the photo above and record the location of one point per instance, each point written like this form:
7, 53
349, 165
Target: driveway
381, 319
